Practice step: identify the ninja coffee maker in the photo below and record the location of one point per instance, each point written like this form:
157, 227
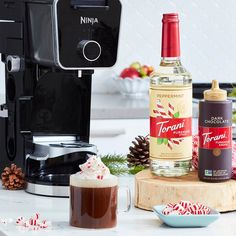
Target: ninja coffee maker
50, 48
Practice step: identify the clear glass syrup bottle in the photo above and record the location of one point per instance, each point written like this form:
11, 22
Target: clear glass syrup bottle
171, 107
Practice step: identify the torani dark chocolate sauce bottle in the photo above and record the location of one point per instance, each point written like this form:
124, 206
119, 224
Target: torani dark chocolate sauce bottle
215, 136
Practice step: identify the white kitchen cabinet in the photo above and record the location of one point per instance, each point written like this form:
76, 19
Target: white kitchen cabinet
115, 136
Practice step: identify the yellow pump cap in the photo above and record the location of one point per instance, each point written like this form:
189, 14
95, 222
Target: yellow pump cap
215, 93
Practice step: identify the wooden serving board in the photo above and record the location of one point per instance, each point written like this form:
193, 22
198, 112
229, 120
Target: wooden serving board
152, 190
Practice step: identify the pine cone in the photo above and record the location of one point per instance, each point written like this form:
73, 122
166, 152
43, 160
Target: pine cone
139, 152
13, 178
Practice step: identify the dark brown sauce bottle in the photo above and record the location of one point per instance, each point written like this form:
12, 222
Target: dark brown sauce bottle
215, 136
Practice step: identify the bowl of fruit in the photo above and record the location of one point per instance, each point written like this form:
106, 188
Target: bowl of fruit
134, 80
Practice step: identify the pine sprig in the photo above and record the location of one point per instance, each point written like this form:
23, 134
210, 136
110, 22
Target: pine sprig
134, 170
233, 93
118, 170
118, 165
234, 116
115, 158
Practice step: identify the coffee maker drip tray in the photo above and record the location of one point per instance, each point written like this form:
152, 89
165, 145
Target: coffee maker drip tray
51, 160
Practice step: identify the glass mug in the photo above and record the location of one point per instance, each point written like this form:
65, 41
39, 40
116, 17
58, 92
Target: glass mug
93, 203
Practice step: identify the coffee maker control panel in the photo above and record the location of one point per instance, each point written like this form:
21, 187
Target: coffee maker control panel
75, 34
90, 49
88, 38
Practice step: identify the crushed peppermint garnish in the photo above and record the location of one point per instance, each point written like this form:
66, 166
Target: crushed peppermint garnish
33, 223
94, 168
186, 208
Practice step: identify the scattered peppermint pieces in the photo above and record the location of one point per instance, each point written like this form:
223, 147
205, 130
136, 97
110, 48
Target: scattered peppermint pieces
33, 223
186, 208
94, 168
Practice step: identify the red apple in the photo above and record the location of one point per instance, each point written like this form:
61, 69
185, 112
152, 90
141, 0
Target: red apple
129, 73
150, 70
144, 71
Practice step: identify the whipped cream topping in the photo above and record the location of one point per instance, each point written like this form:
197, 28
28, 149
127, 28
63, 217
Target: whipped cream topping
93, 174
94, 168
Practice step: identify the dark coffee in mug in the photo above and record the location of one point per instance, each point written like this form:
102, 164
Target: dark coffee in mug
93, 203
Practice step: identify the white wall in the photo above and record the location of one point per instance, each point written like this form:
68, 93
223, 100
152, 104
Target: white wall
208, 36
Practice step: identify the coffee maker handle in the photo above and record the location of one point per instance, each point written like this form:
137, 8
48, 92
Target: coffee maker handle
37, 158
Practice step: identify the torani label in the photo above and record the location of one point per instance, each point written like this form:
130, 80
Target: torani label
171, 123
215, 137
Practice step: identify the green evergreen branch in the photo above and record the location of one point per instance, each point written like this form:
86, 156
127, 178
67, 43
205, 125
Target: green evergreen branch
115, 158
134, 170
118, 165
234, 116
233, 93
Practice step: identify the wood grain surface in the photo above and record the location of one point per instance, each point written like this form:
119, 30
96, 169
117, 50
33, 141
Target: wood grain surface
152, 190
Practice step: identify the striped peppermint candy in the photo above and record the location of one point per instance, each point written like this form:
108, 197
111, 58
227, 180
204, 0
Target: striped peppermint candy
170, 205
33, 223
161, 110
186, 208
201, 212
170, 144
178, 207
185, 212
185, 204
176, 141
171, 110
167, 211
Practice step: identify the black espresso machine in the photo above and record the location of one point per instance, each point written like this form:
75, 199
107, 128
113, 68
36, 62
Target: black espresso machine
50, 49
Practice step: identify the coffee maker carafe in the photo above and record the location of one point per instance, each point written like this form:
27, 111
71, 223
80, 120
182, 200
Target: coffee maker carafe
50, 49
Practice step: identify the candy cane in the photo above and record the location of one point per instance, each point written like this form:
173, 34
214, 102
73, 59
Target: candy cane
185, 204
156, 113
177, 141
33, 223
186, 208
161, 110
170, 144
171, 110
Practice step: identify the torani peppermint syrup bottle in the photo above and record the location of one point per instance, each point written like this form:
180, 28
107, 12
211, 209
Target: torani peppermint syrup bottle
215, 136
170, 107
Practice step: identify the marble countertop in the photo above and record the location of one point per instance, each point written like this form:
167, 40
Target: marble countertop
134, 223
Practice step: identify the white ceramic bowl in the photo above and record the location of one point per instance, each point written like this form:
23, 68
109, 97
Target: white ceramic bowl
133, 87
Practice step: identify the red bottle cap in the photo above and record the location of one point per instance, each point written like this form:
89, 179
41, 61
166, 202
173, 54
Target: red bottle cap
170, 35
